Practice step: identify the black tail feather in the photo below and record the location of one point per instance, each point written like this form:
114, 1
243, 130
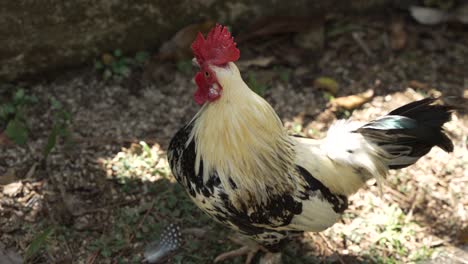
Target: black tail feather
409, 132
425, 113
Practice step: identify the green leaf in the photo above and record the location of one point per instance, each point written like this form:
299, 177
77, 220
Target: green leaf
38, 243
6, 110
118, 53
285, 75
31, 99
17, 131
19, 95
56, 104
142, 56
98, 65
125, 70
146, 148
51, 141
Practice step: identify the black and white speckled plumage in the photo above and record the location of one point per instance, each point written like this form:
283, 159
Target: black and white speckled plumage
267, 223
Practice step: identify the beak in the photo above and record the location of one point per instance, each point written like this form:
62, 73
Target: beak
195, 63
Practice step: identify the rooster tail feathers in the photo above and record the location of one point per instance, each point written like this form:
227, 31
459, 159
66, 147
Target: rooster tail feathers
409, 132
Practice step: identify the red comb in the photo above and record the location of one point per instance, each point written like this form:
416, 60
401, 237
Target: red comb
218, 48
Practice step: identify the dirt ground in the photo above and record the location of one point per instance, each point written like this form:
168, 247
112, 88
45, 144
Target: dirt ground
106, 193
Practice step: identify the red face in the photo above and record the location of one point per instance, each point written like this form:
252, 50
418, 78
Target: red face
217, 49
209, 88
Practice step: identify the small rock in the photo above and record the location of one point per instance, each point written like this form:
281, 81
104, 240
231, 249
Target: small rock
13, 189
428, 16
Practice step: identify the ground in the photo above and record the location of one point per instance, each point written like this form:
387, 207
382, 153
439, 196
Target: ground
106, 192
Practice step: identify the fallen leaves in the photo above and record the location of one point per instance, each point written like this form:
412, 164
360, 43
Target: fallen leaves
463, 235
398, 35
351, 102
418, 85
326, 83
13, 189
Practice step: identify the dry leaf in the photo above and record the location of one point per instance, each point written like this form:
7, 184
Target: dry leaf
463, 235
326, 83
107, 59
398, 34
352, 101
178, 47
13, 189
418, 85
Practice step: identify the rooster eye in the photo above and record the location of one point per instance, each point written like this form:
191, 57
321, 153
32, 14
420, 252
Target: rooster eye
207, 74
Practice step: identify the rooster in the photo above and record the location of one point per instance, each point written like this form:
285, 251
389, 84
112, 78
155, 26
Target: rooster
239, 165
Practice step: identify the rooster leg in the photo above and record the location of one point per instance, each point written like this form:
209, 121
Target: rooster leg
249, 249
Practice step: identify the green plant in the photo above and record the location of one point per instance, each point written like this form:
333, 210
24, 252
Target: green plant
117, 65
257, 87
328, 96
283, 73
60, 127
13, 116
38, 243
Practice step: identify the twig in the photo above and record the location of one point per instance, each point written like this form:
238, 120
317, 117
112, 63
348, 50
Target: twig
362, 44
93, 257
144, 217
397, 195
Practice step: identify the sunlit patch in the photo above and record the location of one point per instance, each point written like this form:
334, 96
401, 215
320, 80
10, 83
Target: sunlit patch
139, 161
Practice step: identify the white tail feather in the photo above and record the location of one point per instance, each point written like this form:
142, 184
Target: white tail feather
345, 147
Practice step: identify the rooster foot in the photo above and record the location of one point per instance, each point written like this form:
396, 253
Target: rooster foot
250, 251
249, 248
